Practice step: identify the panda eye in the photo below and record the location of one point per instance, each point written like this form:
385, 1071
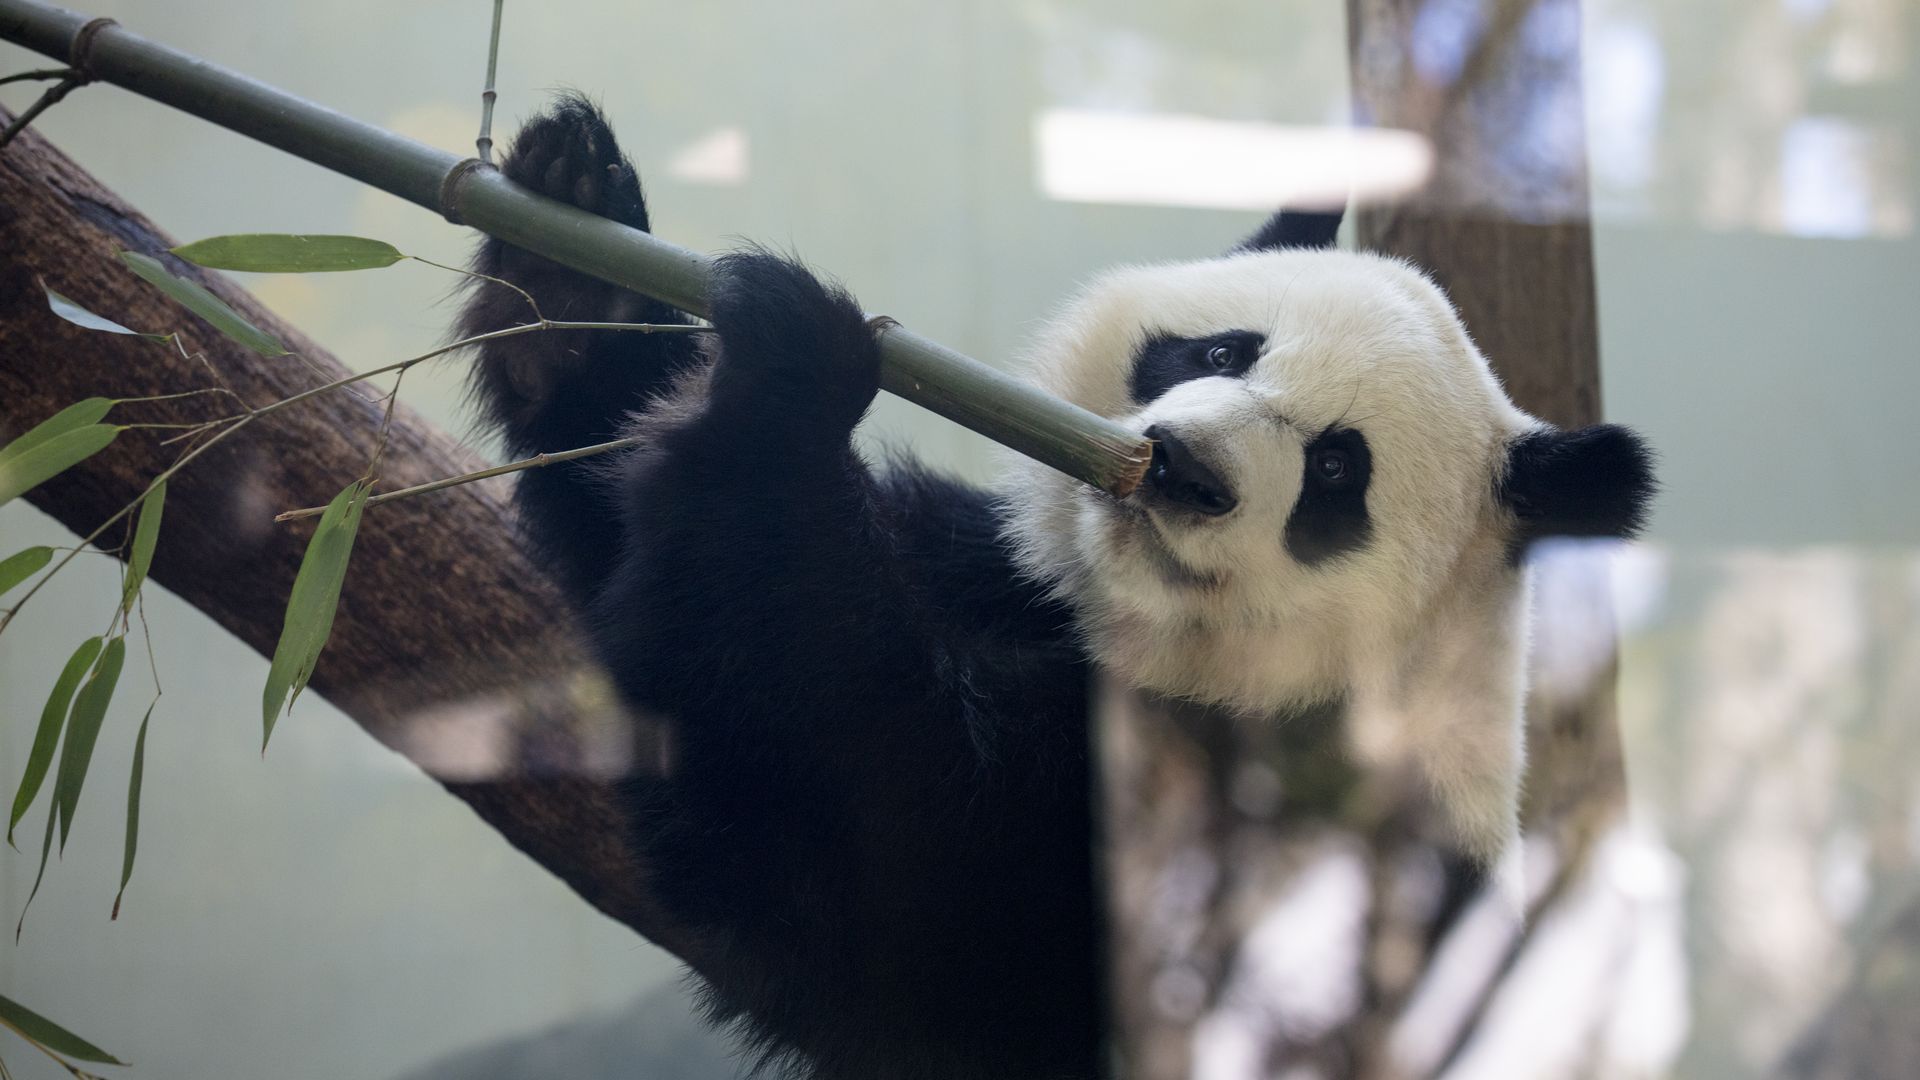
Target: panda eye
1222, 356
1332, 467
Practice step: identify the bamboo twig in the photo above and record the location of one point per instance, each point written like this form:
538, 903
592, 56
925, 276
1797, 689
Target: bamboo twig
38, 75
483, 146
234, 424
534, 462
46, 101
1003, 408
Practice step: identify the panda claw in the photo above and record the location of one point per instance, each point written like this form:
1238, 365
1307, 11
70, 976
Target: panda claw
569, 154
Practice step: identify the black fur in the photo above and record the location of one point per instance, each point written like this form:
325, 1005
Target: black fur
877, 817
1295, 229
1164, 361
878, 812
559, 390
1590, 482
1330, 517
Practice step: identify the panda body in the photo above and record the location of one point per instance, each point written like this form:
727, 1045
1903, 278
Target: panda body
877, 820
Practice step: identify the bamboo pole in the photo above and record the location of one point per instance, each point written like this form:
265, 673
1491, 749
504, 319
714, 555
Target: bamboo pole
467, 191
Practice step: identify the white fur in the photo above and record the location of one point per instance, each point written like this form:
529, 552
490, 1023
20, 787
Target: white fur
1422, 631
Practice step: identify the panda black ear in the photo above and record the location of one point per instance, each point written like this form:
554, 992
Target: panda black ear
1295, 229
1593, 481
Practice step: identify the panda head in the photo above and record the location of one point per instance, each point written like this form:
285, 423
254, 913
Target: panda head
1339, 496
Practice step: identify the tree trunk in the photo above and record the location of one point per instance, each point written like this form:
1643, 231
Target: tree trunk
447, 646
1503, 224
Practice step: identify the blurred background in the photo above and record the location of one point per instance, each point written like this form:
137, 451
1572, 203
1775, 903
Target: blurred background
1755, 178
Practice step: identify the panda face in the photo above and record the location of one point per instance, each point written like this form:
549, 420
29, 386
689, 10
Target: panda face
1328, 449
1332, 513
1338, 497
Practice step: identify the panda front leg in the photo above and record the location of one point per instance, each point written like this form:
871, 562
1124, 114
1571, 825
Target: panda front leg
878, 820
560, 389
798, 358
755, 533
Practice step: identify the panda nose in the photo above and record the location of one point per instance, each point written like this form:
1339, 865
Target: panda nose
1181, 478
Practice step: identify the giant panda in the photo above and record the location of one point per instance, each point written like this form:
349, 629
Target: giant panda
877, 818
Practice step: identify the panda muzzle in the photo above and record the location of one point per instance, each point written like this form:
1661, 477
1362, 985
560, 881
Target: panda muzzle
1177, 475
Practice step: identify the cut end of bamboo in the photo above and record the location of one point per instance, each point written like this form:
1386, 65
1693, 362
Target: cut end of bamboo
1116, 466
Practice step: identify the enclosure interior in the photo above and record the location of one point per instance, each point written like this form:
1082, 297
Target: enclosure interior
1755, 178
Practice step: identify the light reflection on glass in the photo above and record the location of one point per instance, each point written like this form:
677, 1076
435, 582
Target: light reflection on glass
1782, 118
1084, 155
719, 157
1765, 856
1828, 185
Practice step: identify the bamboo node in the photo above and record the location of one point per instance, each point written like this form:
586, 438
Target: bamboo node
450, 188
78, 53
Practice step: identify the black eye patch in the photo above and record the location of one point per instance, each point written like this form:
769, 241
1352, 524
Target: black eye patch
1330, 517
1165, 361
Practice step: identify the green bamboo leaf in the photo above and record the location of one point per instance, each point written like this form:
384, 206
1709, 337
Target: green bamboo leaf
79, 316
32, 1026
145, 535
52, 717
77, 415
204, 304
133, 808
287, 253
311, 606
21, 473
83, 731
23, 565
46, 848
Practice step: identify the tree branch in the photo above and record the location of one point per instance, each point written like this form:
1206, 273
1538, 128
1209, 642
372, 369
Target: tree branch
416, 666
537, 461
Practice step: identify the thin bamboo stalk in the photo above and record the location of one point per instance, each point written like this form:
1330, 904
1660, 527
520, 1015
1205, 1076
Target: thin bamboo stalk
925, 372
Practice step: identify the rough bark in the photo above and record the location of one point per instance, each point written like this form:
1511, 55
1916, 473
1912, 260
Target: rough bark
447, 648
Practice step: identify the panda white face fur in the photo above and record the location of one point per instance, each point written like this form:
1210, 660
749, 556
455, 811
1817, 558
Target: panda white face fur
1327, 516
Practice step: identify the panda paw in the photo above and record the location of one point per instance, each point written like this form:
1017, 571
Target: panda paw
569, 154
791, 345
